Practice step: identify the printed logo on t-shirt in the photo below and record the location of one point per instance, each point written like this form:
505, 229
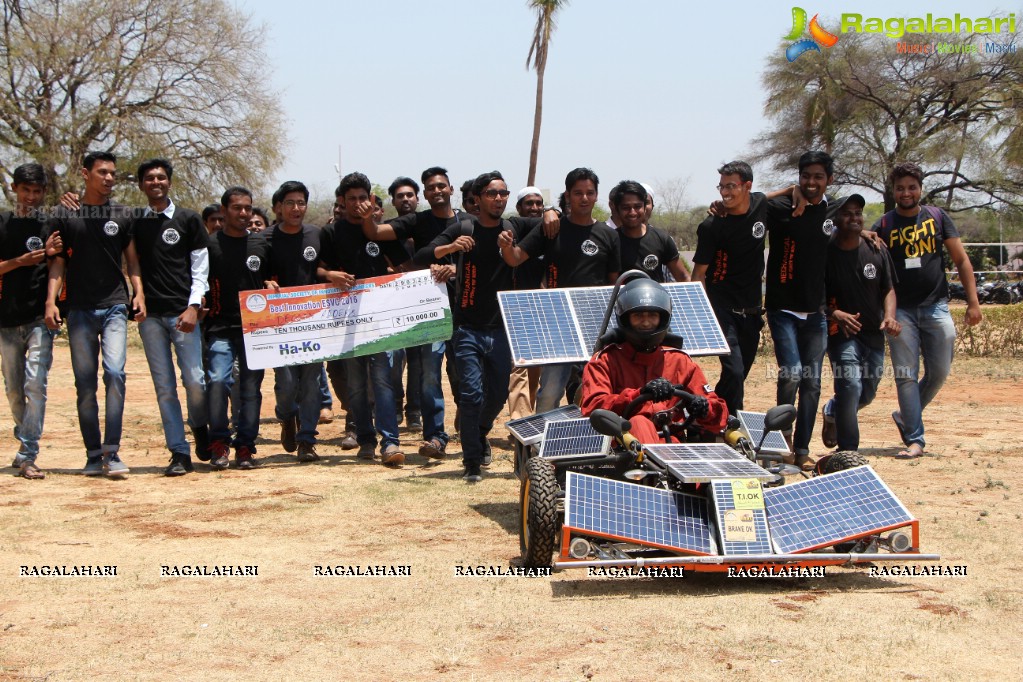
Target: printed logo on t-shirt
589, 248
373, 249
33, 243
651, 262
759, 230
309, 254
869, 271
111, 228
171, 236
707, 388
828, 227
253, 263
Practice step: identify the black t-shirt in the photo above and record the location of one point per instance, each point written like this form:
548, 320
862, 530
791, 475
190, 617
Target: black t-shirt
94, 238
236, 264
164, 246
422, 227
797, 254
484, 273
648, 253
857, 281
343, 246
529, 275
580, 256
917, 248
22, 290
732, 248
294, 257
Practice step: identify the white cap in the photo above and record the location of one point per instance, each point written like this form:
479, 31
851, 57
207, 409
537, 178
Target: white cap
649, 191
526, 191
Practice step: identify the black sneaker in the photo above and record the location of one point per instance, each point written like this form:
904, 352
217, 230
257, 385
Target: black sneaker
113, 466
93, 466
414, 422
219, 455
177, 465
488, 454
472, 473
307, 452
201, 436
289, 430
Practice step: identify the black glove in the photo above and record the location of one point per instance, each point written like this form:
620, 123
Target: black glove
659, 389
699, 407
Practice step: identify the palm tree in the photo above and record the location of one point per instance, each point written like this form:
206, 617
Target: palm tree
537, 60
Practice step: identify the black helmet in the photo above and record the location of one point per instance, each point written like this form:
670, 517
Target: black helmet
640, 295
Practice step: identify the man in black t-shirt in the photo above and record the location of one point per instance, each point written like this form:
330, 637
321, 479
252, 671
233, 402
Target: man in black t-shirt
294, 258
94, 239
917, 237
171, 243
795, 293
345, 256
729, 260
26, 345
404, 193
861, 309
239, 261
422, 228
584, 253
480, 344
644, 247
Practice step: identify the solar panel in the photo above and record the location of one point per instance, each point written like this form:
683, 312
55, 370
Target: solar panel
541, 327
637, 513
548, 326
753, 423
570, 438
530, 429
704, 462
742, 531
827, 509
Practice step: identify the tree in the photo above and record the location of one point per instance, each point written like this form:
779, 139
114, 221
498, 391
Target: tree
174, 78
546, 10
955, 113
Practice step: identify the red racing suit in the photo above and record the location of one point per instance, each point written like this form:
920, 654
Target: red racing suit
617, 374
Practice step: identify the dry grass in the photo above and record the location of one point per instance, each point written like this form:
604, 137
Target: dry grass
288, 624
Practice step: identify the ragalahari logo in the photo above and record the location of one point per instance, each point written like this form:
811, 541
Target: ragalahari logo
818, 36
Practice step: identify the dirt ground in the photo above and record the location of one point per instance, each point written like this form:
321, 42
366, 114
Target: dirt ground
285, 519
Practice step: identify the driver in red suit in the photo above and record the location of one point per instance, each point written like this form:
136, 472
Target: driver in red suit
619, 372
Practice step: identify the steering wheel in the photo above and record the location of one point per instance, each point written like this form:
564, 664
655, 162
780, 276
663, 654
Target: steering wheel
643, 398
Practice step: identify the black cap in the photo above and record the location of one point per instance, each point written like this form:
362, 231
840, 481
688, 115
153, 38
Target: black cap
856, 199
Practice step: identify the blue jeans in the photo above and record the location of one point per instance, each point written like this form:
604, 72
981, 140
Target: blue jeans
297, 389
326, 400
431, 395
553, 380
930, 332
159, 335
223, 351
360, 371
484, 365
90, 333
858, 369
799, 350
27, 352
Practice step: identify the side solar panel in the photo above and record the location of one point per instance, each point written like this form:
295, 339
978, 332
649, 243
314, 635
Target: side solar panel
693, 319
753, 423
704, 462
733, 523
541, 327
549, 326
530, 429
590, 305
570, 438
624, 511
827, 509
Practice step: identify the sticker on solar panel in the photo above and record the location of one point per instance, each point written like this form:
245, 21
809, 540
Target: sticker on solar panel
740, 531
530, 429
824, 510
637, 513
572, 438
705, 462
753, 423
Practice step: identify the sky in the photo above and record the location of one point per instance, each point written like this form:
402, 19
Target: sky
652, 90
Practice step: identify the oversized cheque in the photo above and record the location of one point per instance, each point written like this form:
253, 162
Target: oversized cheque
319, 322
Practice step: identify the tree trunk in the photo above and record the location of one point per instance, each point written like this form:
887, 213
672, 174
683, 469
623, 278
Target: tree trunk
537, 117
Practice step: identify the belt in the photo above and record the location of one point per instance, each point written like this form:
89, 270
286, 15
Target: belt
743, 312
